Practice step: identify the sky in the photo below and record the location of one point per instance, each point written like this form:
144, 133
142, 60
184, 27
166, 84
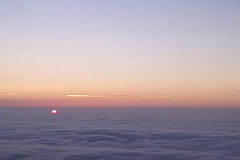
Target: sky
110, 53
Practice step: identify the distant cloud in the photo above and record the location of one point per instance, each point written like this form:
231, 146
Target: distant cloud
77, 95
112, 96
84, 96
8, 94
35, 51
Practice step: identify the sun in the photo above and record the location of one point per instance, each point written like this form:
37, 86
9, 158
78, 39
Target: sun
54, 111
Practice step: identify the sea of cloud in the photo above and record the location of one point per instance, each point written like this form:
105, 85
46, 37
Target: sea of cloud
33, 137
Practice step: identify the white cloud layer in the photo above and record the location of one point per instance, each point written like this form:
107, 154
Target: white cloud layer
36, 135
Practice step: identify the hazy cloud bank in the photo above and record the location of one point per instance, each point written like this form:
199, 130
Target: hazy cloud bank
119, 134
116, 145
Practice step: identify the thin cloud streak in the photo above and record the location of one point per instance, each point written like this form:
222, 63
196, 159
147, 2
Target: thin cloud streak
84, 96
76, 95
112, 96
9, 94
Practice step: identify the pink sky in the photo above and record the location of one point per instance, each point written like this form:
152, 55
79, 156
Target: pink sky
126, 53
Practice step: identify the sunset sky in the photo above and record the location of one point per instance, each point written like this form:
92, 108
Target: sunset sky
120, 53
